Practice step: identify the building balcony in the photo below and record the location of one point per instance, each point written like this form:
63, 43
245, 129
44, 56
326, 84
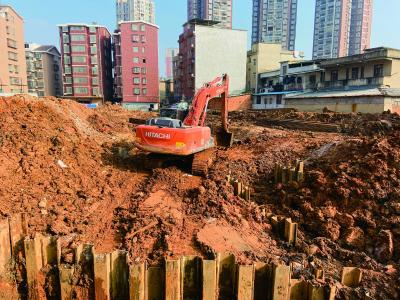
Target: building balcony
370, 81
302, 69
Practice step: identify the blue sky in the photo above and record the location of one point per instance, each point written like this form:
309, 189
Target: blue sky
42, 16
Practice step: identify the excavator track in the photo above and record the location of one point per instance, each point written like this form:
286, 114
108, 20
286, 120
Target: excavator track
202, 161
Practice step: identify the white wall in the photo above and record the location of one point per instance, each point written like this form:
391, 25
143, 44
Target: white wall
221, 51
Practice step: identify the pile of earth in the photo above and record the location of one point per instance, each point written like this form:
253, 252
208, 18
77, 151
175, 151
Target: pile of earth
58, 165
350, 123
349, 206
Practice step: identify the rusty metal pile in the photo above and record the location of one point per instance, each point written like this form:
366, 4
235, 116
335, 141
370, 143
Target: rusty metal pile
76, 176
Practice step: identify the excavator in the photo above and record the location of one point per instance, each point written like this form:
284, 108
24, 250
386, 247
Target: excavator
190, 139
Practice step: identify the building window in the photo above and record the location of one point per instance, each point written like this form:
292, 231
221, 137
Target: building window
79, 59
81, 90
135, 38
136, 80
92, 29
144, 70
79, 70
66, 48
136, 49
65, 29
68, 90
362, 73
334, 75
12, 56
136, 60
65, 38
136, 70
144, 91
95, 71
378, 70
95, 81
143, 38
77, 28
93, 39
144, 80
78, 48
136, 91
67, 70
144, 60
354, 73
67, 60
95, 91
143, 49
142, 27
78, 38
134, 27
93, 49
94, 60
80, 80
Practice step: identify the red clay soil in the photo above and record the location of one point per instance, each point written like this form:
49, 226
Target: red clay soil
57, 165
76, 174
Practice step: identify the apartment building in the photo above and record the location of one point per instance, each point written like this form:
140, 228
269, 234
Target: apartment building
265, 57
341, 27
136, 10
274, 21
170, 53
13, 78
207, 51
86, 62
367, 83
136, 65
212, 10
43, 64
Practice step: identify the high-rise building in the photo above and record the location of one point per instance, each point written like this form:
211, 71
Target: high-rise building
342, 27
43, 65
213, 10
274, 21
360, 26
136, 10
86, 62
12, 52
136, 76
169, 55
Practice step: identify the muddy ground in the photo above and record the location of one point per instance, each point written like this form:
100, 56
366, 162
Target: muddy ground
76, 174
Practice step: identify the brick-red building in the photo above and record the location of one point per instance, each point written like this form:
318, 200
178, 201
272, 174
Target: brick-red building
136, 73
86, 62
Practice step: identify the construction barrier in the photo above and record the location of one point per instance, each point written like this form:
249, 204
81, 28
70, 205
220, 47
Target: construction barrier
103, 276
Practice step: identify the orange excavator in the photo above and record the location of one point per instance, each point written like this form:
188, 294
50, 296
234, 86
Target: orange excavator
190, 138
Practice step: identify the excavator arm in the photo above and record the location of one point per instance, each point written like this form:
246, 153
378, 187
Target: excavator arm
218, 88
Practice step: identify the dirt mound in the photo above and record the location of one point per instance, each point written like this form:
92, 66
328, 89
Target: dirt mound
177, 214
53, 166
350, 197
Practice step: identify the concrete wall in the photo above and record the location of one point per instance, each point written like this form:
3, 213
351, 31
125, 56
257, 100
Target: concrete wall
220, 51
374, 104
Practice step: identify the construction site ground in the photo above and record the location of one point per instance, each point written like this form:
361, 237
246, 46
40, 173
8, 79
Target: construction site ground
76, 174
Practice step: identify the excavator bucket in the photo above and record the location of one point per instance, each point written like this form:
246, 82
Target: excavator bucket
223, 138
